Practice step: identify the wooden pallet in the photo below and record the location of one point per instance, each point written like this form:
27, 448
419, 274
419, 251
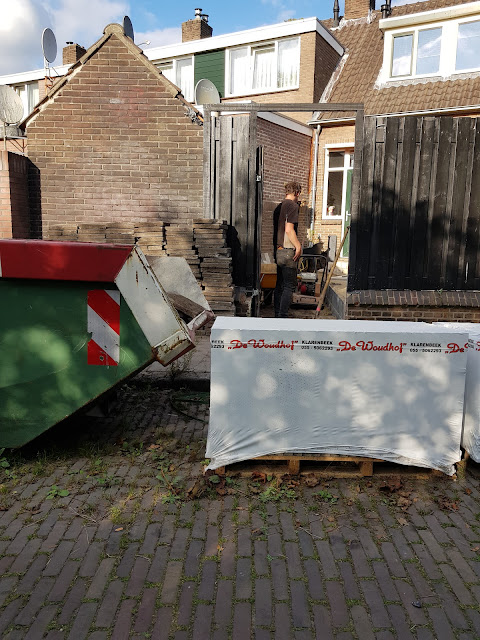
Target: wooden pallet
364, 466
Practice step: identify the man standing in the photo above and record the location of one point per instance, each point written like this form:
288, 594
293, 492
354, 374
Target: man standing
286, 248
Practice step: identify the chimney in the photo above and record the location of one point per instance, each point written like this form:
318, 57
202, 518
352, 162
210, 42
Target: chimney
358, 8
336, 13
197, 28
72, 52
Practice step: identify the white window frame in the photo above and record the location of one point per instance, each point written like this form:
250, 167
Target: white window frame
251, 49
27, 109
448, 51
348, 148
174, 61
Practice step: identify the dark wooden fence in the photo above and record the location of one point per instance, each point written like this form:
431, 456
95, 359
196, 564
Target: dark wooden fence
416, 225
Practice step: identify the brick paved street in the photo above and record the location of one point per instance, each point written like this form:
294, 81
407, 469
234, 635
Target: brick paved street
108, 530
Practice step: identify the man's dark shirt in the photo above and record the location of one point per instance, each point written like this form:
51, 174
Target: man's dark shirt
286, 211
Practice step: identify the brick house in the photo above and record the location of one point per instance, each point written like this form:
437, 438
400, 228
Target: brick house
418, 60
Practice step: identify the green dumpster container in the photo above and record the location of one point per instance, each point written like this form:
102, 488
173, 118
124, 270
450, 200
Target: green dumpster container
76, 319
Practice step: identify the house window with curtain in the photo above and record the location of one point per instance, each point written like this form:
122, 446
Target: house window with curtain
272, 66
417, 53
30, 95
180, 72
338, 161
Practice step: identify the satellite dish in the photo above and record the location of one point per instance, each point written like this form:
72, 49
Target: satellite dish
206, 92
11, 105
128, 27
49, 45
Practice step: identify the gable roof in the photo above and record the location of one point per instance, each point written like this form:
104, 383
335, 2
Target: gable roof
355, 77
113, 31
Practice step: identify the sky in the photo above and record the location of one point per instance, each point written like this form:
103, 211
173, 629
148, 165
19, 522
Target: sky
83, 21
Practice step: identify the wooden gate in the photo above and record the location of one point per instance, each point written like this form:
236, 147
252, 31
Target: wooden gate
232, 183
416, 225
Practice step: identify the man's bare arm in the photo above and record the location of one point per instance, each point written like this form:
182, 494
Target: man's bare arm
292, 236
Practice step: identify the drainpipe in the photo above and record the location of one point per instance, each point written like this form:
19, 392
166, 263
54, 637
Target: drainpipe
314, 179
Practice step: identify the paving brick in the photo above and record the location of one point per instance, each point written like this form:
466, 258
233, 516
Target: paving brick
242, 621
306, 543
393, 560
294, 564
185, 604
223, 603
145, 611
374, 600
260, 557
244, 542
300, 610
329, 567
122, 628
150, 539
262, 634
461, 565
206, 589
101, 578
91, 560
227, 559
323, 623
128, 560
55, 534
315, 585
137, 577
211, 542
288, 529
9, 613
35, 602
63, 582
434, 548
58, 558
82, 621
263, 602
243, 582
401, 626
172, 580
283, 625
159, 562
202, 622
441, 626
349, 581
403, 548
362, 623
109, 605
23, 561
450, 606
73, 601
199, 525
359, 559
168, 530
179, 544
427, 562
279, 579
138, 528
338, 606
161, 629
457, 585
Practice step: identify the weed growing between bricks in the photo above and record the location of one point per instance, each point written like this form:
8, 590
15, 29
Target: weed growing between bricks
109, 529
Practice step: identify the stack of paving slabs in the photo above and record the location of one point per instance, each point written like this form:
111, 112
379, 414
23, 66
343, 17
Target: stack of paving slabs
179, 237
90, 232
150, 237
120, 233
215, 264
63, 232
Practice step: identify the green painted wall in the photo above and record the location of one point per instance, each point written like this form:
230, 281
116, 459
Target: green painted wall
211, 65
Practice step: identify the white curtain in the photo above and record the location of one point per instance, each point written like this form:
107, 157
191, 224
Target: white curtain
239, 67
264, 68
185, 78
288, 63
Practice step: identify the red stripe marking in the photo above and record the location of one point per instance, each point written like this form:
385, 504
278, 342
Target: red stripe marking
105, 307
49, 260
96, 355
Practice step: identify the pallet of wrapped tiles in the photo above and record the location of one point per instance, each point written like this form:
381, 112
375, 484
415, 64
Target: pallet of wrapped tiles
471, 409
391, 391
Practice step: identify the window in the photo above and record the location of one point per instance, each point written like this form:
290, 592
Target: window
416, 53
468, 46
267, 67
180, 72
30, 95
337, 164
437, 48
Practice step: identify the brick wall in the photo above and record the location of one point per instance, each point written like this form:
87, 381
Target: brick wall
357, 9
286, 156
115, 144
317, 62
414, 306
14, 204
196, 29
